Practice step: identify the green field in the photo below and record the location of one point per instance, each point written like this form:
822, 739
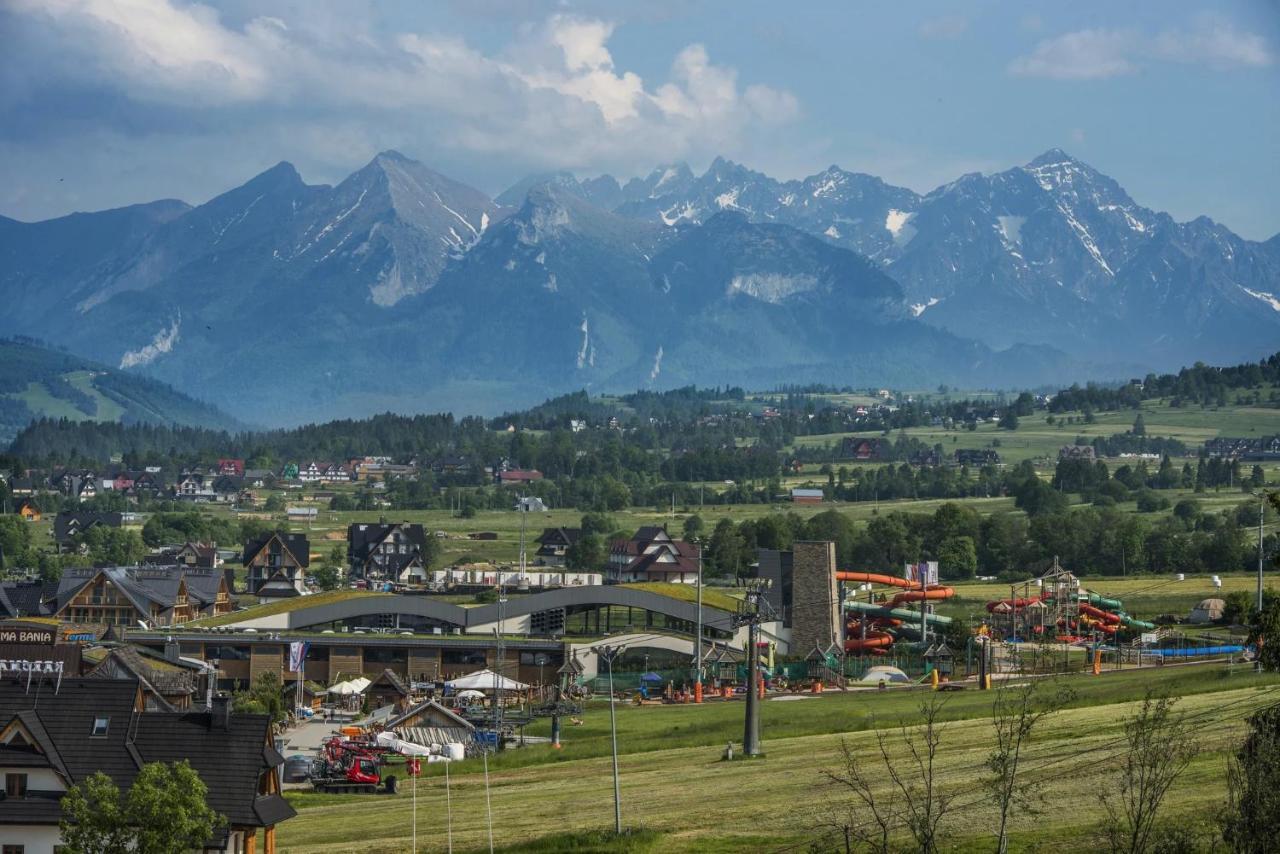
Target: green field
675, 786
1036, 439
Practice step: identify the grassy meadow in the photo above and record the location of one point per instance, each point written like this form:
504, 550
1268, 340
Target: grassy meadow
676, 788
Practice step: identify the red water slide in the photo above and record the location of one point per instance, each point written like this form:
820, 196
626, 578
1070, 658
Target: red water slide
1099, 614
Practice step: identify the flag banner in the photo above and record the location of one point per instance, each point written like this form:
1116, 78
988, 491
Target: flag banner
925, 572
298, 655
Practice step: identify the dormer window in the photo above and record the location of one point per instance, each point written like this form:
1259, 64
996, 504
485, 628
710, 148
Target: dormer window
100, 726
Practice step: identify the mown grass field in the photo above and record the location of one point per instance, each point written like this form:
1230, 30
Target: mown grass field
1036, 439
675, 786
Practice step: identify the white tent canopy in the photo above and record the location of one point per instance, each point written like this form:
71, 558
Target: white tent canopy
485, 680
354, 686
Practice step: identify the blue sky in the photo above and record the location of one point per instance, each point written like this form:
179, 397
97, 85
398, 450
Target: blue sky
107, 103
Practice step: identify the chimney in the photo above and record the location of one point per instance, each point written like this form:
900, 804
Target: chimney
171, 650
220, 714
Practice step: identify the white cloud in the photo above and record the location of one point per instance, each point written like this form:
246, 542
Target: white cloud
1101, 53
554, 95
1082, 55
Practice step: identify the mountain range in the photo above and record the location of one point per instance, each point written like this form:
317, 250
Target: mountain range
402, 289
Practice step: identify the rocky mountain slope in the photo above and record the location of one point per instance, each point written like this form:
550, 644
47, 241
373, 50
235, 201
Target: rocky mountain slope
399, 288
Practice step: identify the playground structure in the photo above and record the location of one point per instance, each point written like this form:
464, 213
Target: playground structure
1061, 611
875, 626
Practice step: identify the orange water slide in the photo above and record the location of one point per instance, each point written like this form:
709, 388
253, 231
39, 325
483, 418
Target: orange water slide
876, 578
921, 595
874, 640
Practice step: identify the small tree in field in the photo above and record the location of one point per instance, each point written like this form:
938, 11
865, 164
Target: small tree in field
1015, 714
164, 811
912, 800
1251, 823
1159, 745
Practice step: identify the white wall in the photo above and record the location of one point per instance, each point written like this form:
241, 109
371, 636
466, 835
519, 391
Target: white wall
35, 839
38, 779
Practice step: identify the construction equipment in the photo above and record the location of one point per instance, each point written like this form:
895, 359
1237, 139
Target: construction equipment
346, 767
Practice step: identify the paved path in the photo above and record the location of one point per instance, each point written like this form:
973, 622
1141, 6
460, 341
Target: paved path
306, 738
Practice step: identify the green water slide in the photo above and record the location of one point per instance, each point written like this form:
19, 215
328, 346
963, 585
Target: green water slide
907, 616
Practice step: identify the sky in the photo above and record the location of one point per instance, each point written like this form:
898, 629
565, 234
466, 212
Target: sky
105, 103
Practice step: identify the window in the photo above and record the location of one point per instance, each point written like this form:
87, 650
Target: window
15, 785
100, 724
12, 849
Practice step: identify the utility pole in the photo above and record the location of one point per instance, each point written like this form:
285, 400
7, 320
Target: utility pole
697, 638
1262, 509
751, 618
608, 654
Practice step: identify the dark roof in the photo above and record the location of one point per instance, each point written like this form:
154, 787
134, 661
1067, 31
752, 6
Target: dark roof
296, 544
650, 532
26, 598
68, 720
559, 536
145, 585
389, 677
364, 537
230, 757
230, 761
70, 522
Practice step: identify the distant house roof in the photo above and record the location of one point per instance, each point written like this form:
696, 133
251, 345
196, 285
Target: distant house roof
519, 475
808, 493
552, 539
297, 545
69, 523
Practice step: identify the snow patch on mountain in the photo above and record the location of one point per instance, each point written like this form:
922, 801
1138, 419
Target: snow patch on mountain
677, 212
919, 308
1011, 229
1269, 299
585, 348
236, 219
772, 287
657, 365
896, 222
1086, 239
160, 344
832, 232
728, 200
334, 223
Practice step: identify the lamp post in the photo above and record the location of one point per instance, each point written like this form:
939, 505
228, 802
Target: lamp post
608, 654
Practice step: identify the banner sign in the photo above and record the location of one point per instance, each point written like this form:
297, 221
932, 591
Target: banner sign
926, 571
46, 636
298, 655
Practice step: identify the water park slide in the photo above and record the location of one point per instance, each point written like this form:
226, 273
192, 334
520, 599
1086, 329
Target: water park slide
1105, 613
889, 615
876, 578
895, 613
